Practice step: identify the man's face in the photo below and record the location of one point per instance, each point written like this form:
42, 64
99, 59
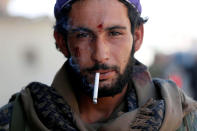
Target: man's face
100, 39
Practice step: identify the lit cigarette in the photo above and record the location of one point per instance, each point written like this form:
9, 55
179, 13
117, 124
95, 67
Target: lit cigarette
96, 85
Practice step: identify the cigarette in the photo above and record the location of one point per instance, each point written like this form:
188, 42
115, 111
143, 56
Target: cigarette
96, 85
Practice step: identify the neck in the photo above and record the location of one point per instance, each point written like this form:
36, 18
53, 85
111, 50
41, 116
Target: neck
91, 113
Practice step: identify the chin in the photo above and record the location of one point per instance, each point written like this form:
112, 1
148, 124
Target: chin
106, 84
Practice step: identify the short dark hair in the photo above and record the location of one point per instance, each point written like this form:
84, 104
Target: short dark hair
134, 17
62, 18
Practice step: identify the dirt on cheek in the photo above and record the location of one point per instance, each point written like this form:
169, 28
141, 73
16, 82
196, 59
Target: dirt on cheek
76, 52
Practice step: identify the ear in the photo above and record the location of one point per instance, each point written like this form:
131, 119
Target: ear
138, 37
60, 42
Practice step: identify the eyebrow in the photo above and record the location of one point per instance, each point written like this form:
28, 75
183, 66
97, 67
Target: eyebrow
116, 27
78, 29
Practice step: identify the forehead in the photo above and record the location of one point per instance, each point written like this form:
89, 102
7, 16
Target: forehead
91, 13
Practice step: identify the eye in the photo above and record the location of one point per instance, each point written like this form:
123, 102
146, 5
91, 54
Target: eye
82, 35
115, 33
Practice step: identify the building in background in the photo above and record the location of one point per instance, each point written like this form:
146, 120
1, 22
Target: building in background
27, 52
3, 7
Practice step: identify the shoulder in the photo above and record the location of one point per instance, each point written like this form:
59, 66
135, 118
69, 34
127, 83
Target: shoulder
164, 83
172, 94
5, 116
167, 88
6, 111
189, 122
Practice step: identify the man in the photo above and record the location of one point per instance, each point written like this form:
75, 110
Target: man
100, 36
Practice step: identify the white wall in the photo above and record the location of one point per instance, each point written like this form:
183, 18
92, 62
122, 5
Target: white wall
27, 53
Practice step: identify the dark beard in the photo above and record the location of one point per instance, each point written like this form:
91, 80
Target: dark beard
120, 83
81, 84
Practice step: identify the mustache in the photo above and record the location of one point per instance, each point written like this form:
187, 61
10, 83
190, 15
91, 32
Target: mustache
98, 66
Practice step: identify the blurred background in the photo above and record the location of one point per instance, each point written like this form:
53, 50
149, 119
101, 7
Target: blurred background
27, 49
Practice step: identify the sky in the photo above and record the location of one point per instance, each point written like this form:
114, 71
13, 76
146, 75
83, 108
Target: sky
171, 26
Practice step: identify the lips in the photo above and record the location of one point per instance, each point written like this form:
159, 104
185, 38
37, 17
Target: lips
106, 74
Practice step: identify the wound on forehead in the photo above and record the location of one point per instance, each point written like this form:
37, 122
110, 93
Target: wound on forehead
100, 27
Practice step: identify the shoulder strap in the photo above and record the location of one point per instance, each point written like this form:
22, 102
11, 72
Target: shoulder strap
18, 122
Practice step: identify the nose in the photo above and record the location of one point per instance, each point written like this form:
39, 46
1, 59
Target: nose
101, 51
